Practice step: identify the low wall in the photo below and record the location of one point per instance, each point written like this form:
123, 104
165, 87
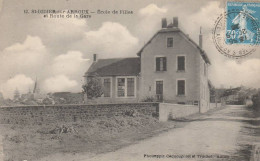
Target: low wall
174, 111
71, 113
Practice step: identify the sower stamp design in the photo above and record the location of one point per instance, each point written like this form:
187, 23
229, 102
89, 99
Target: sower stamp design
242, 22
236, 32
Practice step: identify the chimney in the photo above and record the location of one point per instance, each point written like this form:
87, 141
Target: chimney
94, 57
200, 39
164, 23
175, 22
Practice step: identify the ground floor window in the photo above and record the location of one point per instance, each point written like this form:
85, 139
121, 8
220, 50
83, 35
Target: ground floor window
181, 87
130, 87
107, 87
125, 87
159, 90
121, 87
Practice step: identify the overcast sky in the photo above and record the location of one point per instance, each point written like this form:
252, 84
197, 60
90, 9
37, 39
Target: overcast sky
59, 51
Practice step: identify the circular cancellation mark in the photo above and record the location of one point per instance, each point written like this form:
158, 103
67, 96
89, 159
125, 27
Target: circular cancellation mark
232, 41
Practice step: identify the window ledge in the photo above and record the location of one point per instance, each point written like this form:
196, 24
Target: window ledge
181, 95
180, 71
126, 97
161, 71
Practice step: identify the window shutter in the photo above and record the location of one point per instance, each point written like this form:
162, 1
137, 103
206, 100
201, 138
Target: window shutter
164, 64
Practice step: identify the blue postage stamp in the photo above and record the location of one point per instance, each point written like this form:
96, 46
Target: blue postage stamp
242, 23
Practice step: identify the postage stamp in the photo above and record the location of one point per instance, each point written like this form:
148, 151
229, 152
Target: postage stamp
236, 32
242, 22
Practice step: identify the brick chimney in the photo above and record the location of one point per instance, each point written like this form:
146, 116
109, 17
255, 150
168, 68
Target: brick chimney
94, 57
175, 22
200, 39
164, 23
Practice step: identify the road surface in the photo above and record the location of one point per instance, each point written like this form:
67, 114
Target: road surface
227, 134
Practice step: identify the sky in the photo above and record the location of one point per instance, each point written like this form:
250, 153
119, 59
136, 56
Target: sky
59, 51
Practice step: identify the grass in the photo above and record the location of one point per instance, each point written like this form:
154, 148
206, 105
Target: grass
32, 142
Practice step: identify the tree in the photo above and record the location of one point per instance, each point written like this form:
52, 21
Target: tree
93, 88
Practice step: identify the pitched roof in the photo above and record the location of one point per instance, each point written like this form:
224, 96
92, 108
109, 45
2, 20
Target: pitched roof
175, 29
115, 67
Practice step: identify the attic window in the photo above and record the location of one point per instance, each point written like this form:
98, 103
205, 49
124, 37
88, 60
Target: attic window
169, 42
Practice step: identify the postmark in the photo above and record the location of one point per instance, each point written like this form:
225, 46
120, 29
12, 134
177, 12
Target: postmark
236, 31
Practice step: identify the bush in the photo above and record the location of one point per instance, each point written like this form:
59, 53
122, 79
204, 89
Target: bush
149, 99
131, 112
93, 88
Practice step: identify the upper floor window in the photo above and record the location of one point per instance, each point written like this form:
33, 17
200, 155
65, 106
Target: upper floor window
180, 63
181, 87
161, 63
169, 42
107, 87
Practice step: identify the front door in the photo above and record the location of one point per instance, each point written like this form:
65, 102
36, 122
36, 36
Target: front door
159, 91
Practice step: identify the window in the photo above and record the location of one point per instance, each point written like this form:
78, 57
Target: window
159, 87
181, 87
169, 42
125, 87
161, 63
121, 87
159, 90
130, 87
180, 63
107, 87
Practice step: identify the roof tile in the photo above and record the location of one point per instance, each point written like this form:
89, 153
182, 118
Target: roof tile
115, 67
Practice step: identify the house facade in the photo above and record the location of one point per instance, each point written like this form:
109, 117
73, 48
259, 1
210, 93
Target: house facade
170, 67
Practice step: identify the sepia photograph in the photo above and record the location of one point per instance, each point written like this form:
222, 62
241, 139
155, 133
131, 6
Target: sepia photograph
129, 80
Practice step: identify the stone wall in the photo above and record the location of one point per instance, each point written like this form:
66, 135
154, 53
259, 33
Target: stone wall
72, 113
169, 111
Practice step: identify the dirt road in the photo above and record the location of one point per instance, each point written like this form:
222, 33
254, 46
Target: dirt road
227, 134
214, 137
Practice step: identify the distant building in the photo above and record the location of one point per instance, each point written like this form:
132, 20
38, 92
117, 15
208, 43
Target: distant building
36, 94
170, 67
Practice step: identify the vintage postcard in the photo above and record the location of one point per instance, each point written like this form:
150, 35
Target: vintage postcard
130, 80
